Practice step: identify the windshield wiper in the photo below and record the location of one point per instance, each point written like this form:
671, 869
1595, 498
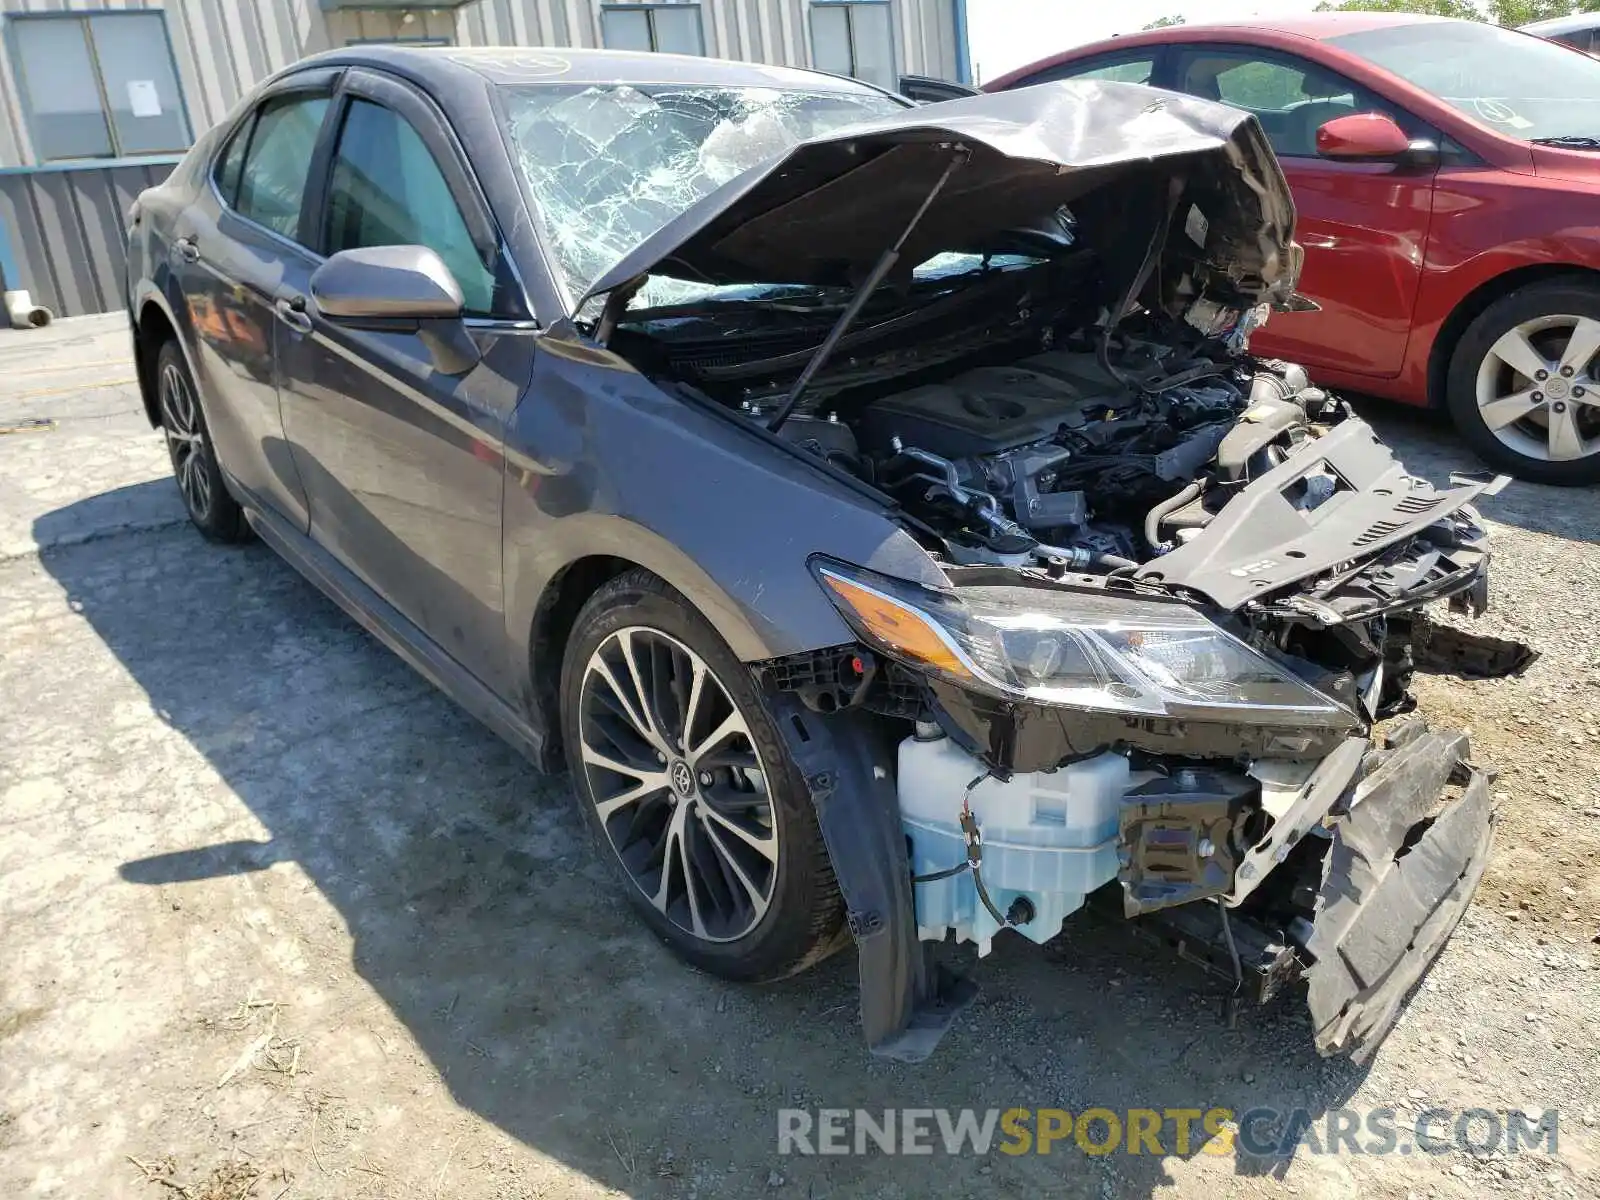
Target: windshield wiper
1571, 141
698, 308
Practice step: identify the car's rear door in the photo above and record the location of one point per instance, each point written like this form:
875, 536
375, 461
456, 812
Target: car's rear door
1364, 225
401, 462
236, 248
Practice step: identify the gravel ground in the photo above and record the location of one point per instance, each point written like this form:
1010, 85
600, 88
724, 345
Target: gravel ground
278, 921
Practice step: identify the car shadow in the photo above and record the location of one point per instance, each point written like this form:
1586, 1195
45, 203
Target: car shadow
483, 918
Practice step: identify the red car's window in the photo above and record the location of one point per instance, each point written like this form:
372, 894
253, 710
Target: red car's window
1291, 98
1122, 69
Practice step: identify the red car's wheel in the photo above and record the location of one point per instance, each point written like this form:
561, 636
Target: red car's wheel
1524, 383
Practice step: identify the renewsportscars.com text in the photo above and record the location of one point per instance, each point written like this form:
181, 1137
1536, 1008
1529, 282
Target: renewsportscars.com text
1181, 1131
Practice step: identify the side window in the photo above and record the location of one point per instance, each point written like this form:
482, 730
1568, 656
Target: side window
1292, 98
230, 165
1587, 40
1136, 69
273, 179
387, 190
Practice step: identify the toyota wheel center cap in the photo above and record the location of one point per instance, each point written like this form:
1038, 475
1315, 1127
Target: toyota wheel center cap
682, 778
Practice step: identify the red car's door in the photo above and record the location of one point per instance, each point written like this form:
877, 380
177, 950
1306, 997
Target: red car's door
1364, 225
1364, 228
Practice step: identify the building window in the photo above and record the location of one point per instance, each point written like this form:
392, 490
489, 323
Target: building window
100, 86
668, 28
855, 38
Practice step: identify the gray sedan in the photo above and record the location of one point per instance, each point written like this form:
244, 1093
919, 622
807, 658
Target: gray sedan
875, 507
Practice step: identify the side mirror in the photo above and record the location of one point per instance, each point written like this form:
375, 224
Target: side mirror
1371, 136
386, 283
380, 285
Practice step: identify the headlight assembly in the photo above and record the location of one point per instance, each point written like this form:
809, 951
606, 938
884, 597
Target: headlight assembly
1099, 651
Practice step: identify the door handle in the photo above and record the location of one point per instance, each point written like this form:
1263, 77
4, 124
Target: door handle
291, 311
187, 249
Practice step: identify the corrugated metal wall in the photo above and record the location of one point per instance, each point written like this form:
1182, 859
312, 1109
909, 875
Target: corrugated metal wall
64, 226
66, 232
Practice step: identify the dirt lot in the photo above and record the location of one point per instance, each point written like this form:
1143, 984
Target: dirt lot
277, 921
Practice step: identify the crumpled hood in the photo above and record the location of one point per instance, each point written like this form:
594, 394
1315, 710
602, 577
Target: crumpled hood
823, 211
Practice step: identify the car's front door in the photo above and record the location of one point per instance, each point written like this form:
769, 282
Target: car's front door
1364, 225
402, 461
236, 248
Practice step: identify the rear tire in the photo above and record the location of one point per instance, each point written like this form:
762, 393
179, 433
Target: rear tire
214, 512
1524, 383
700, 810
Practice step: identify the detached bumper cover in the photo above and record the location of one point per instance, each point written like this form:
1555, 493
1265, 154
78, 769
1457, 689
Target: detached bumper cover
1390, 897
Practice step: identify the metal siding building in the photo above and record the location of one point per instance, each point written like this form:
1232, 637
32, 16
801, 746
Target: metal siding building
123, 85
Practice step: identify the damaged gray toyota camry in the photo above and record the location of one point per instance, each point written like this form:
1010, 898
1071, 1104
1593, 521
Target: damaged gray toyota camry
876, 507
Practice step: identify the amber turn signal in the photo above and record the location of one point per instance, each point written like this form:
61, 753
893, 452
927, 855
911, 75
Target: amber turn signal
898, 628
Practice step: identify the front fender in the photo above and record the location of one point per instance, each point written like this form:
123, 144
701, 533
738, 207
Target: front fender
602, 462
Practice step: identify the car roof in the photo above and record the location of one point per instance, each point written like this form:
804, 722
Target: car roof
1320, 26
1576, 23
519, 66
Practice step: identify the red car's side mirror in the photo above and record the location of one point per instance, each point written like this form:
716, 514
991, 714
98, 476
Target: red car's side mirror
1362, 135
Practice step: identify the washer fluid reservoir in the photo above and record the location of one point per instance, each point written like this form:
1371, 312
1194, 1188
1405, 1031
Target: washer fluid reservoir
1049, 837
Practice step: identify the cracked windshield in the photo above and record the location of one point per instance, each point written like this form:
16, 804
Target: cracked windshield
611, 164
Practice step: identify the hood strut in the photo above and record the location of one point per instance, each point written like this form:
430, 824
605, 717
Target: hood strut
880, 269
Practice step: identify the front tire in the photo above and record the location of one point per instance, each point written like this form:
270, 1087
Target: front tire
214, 512
1524, 383
686, 784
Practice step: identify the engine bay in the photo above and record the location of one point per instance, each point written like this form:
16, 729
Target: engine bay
1065, 461
1078, 456
1035, 441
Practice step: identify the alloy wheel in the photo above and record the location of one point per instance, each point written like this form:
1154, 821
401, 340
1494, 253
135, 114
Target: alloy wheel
180, 418
1538, 390
678, 784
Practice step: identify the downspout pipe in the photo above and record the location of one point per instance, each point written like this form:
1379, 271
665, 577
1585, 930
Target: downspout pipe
24, 313
963, 45
21, 311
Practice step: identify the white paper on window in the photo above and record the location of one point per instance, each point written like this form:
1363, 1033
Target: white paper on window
143, 99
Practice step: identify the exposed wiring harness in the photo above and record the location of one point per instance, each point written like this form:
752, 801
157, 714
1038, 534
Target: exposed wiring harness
1021, 910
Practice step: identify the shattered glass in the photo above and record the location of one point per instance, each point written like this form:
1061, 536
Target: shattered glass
611, 164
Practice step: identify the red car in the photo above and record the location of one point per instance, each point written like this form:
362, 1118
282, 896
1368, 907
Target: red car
1447, 177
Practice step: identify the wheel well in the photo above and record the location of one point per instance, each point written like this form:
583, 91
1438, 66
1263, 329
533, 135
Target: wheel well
152, 331
1475, 302
563, 598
